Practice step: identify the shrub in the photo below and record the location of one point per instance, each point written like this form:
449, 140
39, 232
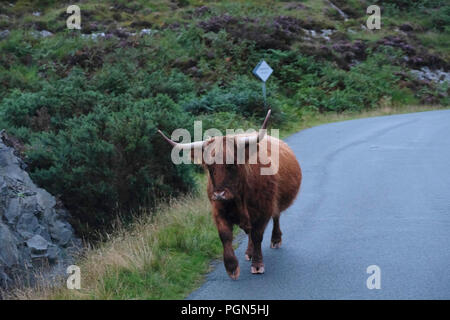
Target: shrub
243, 96
113, 79
175, 85
108, 162
63, 99
440, 19
278, 33
18, 77
94, 143
294, 70
360, 88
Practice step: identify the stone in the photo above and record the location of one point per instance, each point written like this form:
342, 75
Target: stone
147, 32
52, 253
27, 225
12, 212
45, 33
41, 34
35, 235
61, 233
9, 253
37, 244
4, 34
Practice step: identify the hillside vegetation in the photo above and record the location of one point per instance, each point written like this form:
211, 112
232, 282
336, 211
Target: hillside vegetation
85, 105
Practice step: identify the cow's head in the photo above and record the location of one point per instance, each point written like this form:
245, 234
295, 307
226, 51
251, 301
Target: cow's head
221, 160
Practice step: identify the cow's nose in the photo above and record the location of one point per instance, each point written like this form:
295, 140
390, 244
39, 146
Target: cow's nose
219, 195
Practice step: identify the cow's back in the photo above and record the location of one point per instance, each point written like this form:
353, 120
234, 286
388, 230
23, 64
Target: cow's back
289, 175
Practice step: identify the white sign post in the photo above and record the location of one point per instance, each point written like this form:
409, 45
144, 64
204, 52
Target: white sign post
263, 72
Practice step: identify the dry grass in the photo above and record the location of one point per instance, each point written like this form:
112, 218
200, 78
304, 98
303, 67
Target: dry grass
150, 248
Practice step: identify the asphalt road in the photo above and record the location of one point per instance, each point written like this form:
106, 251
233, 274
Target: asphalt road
375, 191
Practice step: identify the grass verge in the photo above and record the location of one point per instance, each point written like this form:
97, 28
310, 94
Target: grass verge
165, 253
162, 255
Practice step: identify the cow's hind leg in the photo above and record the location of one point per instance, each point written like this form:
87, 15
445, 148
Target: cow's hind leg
249, 251
275, 243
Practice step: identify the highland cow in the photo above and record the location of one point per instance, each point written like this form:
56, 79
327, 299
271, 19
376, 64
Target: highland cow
241, 195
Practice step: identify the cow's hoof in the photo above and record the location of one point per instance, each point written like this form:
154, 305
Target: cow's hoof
248, 257
235, 274
275, 244
258, 269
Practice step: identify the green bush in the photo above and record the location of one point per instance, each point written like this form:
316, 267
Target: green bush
243, 96
294, 70
108, 162
440, 19
95, 145
174, 84
360, 88
62, 99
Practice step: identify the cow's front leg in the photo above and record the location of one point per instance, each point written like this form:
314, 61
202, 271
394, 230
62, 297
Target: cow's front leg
244, 218
257, 258
226, 236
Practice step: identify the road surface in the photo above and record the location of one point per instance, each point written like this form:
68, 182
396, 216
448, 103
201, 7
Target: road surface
375, 191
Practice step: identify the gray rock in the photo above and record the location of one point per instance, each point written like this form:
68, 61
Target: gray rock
45, 33
12, 211
94, 36
147, 32
4, 34
52, 253
41, 34
439, 75
9, 253
32, 227
37, 244
62, 234
27, 225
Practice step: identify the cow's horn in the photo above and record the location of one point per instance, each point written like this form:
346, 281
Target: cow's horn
183, 146
262, 132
